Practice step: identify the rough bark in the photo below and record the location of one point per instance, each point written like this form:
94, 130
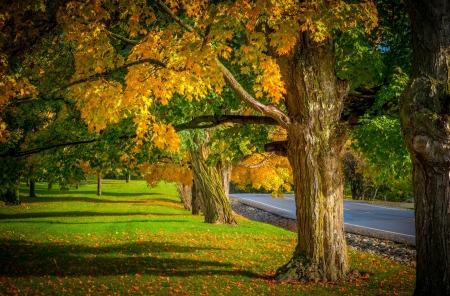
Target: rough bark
32, 188
185, 193
314, 102
99, 185
425, 118
215, 204
195, 202
225, 173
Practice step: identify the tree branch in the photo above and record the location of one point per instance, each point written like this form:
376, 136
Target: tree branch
109, 72
13, 153
117, 36
268, 110
88, 78
215, 120
278, 147
257, 165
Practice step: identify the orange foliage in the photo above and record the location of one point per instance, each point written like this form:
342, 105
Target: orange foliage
187, 59
270, 172
176, 173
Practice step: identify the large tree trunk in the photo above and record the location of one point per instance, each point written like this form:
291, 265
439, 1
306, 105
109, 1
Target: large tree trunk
32, 188
225, 173
315, 138
425, 117
215, 204
185, 193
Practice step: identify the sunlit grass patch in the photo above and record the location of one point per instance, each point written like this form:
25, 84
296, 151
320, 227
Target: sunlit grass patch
133, 240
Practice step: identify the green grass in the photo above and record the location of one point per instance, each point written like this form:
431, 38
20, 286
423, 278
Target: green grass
137, 241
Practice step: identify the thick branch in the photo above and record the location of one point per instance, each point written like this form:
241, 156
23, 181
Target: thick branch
214, 120
268, 110
278, 147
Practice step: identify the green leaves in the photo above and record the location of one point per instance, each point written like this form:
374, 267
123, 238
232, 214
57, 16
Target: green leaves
384, 152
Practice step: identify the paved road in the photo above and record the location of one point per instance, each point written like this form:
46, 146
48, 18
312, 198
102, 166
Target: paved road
360, 218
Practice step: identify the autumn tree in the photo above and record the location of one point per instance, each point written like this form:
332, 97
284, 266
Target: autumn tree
186, 48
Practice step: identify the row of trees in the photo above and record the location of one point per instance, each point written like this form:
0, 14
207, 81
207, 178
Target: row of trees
122, 78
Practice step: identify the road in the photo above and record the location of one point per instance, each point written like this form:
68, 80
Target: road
360, 218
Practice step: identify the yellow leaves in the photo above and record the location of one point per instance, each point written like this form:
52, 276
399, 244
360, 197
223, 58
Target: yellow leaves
15, 88
268, 79
4, 133
98, 103
84, 166
169, 172
266, 171
165, 137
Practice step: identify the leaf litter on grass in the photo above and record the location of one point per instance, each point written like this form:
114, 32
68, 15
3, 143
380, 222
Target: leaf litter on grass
160, 255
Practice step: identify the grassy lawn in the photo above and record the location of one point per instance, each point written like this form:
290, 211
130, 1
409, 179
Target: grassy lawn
139, 241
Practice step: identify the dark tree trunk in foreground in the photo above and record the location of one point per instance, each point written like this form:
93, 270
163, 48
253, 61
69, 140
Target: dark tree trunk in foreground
99, 185
127, 177
10, 196
315, 139
185, 193
32, 188
425, 117
215, 204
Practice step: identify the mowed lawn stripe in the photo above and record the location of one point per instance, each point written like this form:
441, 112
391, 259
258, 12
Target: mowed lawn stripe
135, 240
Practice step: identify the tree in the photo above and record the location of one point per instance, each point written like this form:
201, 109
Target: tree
424, 114
287, 47
352, 171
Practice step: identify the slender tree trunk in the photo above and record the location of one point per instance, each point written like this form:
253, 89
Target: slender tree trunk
50, 186
195, 202
77, 186
315, 139
32, 188
27, 182
185, 193
127, 177
215, 204
425, 118
99, 185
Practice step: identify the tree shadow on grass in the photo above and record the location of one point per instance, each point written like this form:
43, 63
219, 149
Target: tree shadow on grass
78, 214
96, 222
41, 199
24, 258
